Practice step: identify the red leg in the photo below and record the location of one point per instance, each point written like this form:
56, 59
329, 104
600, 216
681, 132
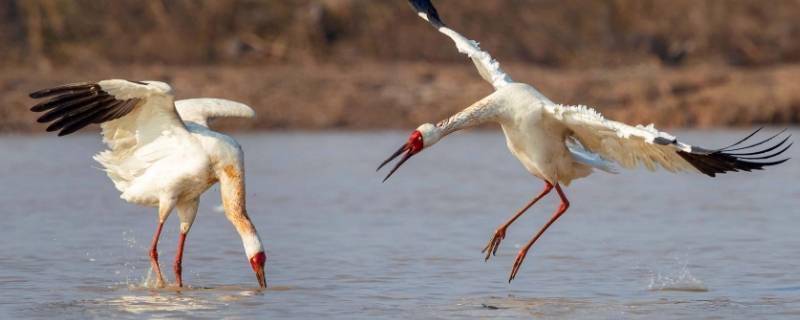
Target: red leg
154, 255
500, 233
524, 251
179, 260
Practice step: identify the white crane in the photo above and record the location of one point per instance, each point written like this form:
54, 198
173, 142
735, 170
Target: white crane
559, 143
161, 152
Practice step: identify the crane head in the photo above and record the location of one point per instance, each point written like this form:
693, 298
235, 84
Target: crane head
257, 262
413, 146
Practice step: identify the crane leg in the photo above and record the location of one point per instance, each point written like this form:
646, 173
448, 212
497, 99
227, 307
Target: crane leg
187, 211
179, 260
524, 251
154, 255
500, 233
165, 206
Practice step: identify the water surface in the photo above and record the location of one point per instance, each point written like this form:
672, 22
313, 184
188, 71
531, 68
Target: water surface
341, 244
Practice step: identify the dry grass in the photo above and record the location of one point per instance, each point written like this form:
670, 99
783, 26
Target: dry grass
555, 33
403, 95
374, 64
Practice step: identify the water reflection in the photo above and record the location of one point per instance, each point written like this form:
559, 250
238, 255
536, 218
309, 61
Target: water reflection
154, 303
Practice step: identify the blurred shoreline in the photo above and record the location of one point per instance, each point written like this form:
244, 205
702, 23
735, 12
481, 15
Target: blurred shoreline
362, 65
374, 95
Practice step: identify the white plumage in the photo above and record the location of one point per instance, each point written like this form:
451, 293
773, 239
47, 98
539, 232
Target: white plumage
626, 145
153, 151
200, 110
160, 153
559, 143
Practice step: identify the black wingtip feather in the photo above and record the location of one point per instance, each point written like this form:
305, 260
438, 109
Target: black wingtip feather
426, 7
723, 160
72, 107
728, 149
61, 99
67, 88
759, 152
80, 112
777, 153
79, 122
743, 139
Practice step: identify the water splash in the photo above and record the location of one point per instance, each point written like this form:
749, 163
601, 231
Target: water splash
150, 281
130, 238
129, 269
676, 280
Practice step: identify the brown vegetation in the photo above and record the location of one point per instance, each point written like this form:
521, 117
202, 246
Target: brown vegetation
403, 95
374, 64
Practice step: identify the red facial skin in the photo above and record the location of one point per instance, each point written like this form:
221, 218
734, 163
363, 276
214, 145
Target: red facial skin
257, 262
415, 143
413, 146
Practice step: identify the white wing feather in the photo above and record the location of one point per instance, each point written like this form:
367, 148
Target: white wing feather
151, 117
124, 89
629, 146
488, 68
129, 137
587, 157
200, 110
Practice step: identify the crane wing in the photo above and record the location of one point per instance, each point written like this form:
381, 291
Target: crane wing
200, 110
631, 146
139, 121
488, 68
130, 113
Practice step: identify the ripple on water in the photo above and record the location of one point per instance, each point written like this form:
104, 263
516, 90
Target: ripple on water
546, 307
357, 249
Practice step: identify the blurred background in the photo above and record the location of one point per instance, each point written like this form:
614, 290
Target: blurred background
343, 245
358, 64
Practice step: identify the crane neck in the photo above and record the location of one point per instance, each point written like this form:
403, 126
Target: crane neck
482, 111
233, 193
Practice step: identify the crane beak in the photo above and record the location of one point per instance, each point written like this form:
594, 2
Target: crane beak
262, 281
413, 146
257, 262
397, 153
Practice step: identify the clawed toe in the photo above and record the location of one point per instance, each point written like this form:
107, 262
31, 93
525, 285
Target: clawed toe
494, 244
517, 263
